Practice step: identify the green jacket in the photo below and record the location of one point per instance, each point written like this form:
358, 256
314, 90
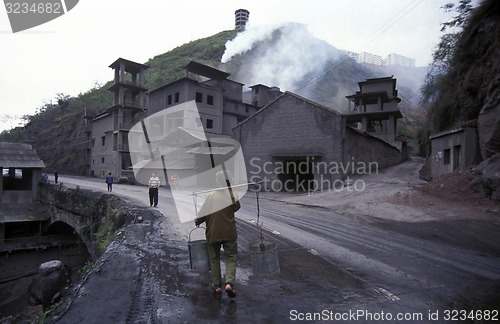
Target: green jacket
220, 221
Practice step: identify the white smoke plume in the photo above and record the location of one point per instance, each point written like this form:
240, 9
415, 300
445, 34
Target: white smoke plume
281, 55
247, 39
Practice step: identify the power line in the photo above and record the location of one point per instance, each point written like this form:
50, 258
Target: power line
403, 12
382, 29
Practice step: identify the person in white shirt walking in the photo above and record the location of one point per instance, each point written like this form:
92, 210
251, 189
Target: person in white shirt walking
154, 186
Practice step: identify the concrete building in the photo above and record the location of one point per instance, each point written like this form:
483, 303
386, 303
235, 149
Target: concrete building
219, 102
215, 107
353, 55
262, 94
390, 60
21, 172
454, 149
294, 144
400, 60
219, 99
241, 18
108, 131
374, 109
369, 58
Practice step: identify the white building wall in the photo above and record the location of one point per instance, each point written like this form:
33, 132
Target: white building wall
365, 57
396, 59
391, 59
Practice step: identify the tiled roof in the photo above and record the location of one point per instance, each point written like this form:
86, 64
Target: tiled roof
19, 155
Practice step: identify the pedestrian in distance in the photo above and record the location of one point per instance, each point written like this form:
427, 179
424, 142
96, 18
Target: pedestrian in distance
153, 187
56, 175
218, 213
109, 181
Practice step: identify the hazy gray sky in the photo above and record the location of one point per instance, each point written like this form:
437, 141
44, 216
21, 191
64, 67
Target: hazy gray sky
69, 54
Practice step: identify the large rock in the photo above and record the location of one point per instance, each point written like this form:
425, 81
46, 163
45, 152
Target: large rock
489, 121
486, 178
476, 69
53, 278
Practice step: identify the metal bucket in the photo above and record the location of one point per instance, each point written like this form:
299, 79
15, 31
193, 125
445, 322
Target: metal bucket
264, 258
198, 254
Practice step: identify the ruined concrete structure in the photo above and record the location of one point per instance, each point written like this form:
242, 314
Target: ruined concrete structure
21, 171
108, 132
25, 223
375, 109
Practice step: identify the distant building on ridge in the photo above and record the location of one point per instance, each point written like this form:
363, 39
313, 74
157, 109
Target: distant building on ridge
392, 59
241, 18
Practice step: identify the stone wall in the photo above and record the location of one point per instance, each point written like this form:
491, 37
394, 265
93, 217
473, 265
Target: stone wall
89, 213
366, 149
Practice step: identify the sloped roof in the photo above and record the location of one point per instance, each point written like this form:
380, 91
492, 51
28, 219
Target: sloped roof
206, 71
130, 66
19, 155
447, 132
287, 93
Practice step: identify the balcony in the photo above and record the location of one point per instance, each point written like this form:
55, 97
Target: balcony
121, 147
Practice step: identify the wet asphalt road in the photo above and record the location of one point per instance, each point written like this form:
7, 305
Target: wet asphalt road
417, 267
333, 266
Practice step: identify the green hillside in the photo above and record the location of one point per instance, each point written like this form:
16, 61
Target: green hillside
167, 67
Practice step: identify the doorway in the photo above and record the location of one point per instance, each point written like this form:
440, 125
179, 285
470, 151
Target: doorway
297, 175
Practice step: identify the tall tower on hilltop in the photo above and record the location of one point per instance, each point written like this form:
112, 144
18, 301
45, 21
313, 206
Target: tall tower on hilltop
241, 18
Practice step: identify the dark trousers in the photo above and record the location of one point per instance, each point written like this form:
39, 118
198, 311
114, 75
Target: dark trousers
153, 197
110, 187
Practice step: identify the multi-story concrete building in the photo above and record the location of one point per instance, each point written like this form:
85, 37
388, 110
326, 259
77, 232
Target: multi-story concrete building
219, 102
369, 58
400, 60
374, 108
390, 60
241, 18
219, 99
353, 55
108, 131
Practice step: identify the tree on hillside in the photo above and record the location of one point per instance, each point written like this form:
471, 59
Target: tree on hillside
62, 101
445, 51
436, 82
